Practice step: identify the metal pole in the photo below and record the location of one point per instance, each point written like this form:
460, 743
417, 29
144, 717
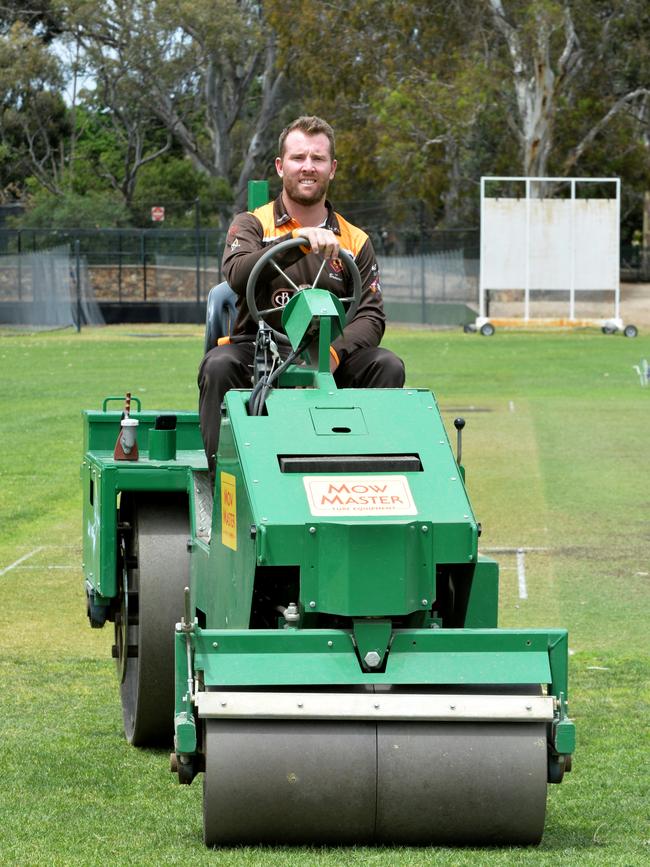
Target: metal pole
77, 271
143, 259
422, 275
617, 275
572, 242
481, 256
527, 254
197, 244
20, 265
206, 261
645, 239
119, 267
445, 262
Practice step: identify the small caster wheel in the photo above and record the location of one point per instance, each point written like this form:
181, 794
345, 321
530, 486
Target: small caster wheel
487, 330
556, 769
187, 767
469, 329
630, 331
608, 329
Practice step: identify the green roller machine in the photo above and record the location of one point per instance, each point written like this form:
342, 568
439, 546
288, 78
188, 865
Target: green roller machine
317, 636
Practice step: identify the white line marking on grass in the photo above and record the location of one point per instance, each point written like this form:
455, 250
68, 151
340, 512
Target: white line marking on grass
521, 574
502, 550
36, 568
20, 560
511, 406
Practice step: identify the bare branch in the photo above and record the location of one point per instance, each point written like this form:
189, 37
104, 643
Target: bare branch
620, 103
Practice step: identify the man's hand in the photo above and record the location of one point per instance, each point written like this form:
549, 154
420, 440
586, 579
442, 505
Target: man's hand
322, 241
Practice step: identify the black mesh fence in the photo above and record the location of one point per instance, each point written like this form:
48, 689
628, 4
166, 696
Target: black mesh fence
124, 264
426, 272
183, 264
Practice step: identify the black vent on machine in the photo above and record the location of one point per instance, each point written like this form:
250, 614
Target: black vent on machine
350, 463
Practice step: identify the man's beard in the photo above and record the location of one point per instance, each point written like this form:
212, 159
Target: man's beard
293, 191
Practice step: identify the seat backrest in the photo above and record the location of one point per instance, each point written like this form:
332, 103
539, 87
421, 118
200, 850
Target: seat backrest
220, 314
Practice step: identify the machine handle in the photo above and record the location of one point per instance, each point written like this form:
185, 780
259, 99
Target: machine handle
121, 399
459, 424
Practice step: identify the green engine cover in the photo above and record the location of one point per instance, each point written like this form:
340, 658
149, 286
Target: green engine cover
359, 489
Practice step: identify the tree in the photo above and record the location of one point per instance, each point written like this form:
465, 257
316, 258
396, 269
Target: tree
411, 89
173, 182
33, 116
551, 63
70, 210
42, 17
206, 69
120, 135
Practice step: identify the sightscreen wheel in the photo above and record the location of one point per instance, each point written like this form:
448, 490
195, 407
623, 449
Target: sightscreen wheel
157, 573
352, 783
630, 331
487, 329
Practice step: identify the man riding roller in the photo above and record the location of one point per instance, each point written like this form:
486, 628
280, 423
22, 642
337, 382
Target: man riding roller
306, 165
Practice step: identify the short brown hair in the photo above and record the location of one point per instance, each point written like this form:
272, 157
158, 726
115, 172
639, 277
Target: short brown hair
310, 125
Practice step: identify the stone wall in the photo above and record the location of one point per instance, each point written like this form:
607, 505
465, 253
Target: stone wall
110, 283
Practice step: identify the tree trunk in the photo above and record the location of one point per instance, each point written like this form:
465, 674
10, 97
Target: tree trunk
536, 84
272, 87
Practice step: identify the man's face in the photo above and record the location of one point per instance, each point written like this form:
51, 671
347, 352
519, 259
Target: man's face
306, 167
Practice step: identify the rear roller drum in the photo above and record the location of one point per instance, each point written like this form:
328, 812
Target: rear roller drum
156, 573
364, 782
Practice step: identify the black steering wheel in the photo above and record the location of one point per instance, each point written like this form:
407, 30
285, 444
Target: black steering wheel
269, 258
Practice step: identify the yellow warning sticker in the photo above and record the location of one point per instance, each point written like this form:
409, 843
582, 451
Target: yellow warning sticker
228, 511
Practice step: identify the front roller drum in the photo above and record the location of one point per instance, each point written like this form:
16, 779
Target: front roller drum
350, 783
461, 783
288, 782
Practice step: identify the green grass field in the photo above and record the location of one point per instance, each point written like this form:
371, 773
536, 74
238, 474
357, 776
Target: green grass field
556, 450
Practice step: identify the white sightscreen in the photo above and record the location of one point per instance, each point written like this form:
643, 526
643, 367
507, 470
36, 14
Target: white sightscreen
597, 264
572, 243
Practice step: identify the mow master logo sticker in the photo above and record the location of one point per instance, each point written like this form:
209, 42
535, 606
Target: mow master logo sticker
329, 496
229, 510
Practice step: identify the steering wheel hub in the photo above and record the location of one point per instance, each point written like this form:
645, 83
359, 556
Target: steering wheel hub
269, 259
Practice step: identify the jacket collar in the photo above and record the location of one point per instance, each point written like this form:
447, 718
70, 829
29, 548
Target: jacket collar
282, 218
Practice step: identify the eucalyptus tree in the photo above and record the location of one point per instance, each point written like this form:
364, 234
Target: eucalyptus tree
205, 69
556, 51
33, 118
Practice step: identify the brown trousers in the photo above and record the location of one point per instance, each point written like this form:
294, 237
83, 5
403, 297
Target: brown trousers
231, 366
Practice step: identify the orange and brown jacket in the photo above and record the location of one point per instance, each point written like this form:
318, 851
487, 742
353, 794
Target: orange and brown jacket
253, 232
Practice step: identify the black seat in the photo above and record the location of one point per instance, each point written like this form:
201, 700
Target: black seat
220, 314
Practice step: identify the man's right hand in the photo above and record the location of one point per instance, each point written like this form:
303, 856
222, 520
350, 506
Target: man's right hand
321, 240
